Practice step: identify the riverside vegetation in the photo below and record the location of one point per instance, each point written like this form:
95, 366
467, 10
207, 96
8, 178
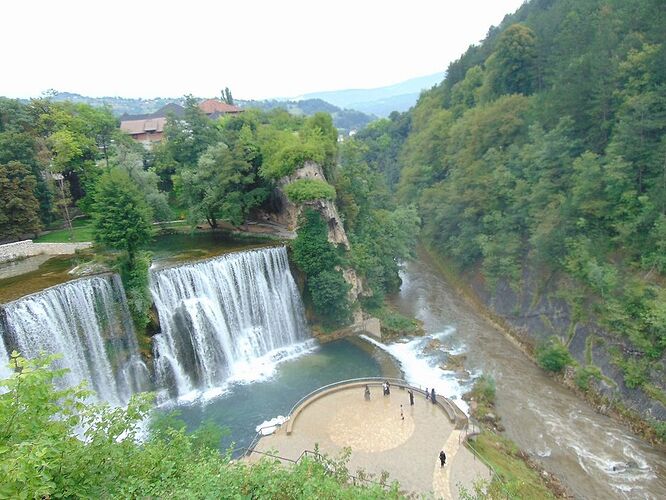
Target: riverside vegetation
537, 166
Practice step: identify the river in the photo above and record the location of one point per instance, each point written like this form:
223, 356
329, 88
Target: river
594, 456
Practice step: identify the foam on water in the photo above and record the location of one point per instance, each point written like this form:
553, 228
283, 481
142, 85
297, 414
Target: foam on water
270, 426
259, 370
421, 368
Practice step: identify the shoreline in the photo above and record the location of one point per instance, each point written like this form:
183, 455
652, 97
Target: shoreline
612, 408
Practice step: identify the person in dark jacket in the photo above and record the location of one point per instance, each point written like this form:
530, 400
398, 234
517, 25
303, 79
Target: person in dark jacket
411, 398
442, 458
427, 391
432, 396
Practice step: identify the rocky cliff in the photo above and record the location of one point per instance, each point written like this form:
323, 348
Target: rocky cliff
537, 308
287, 213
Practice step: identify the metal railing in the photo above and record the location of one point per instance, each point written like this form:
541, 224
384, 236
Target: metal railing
450, 410
329, 465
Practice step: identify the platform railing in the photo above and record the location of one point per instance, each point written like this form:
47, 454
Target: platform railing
442, 401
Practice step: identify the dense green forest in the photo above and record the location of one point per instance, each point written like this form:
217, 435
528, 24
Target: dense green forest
545, 149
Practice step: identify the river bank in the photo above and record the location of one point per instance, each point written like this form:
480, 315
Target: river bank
592, 454
601, 403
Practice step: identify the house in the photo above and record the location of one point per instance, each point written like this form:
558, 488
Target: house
149, 128
214, 108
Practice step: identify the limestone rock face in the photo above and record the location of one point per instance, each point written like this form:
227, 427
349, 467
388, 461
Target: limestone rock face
287, 213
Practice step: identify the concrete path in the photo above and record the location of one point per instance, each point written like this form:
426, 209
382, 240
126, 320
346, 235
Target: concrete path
380, 440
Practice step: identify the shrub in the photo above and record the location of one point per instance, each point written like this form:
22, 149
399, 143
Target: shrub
484, 389
583, 375
304, 190
328, 290
635, 372
554, 356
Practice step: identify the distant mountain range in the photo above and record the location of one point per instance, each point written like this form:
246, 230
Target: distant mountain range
380, 101
351, 109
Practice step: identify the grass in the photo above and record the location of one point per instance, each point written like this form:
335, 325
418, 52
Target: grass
82, 231
518, 478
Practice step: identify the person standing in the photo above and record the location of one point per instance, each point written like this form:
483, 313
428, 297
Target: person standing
367, 393
411, 398
442, 458
427, 394
402, 415
432, 396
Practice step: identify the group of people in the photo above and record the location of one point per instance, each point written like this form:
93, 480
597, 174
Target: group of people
386, 388
429, 394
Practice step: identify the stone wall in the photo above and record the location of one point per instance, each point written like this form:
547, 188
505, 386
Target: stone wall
28, 248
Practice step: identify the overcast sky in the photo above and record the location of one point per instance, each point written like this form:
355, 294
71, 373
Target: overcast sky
146, 48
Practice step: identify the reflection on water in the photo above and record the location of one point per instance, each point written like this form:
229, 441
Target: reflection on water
26, 276
594, 455
183, 246
33, 274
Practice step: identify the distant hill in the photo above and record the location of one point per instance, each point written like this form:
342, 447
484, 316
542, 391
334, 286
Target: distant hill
380, 101
345, 120
120, 105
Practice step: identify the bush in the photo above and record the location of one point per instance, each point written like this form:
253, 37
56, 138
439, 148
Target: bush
583, 375
291, 157
304, 190
328, 290
554, 356
659, 427
484, 389
635, 372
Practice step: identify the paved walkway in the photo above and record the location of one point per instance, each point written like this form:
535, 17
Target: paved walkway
380, 440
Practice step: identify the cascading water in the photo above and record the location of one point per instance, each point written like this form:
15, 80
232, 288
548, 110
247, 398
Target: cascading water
220, 316
87, 322
5, 372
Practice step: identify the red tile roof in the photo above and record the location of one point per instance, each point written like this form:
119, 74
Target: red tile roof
210, 106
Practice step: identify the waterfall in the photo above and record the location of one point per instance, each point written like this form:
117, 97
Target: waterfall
220, 315
5, 372
87, 322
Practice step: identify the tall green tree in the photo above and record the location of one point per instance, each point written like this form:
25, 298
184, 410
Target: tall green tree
19, 208
222, 186
122, 218
513, 66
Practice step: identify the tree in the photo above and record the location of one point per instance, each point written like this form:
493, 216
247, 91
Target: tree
42, 457
227, 97
130, 160
122, 218
19, 208
223, 186
513, 69
186, 138
318, 259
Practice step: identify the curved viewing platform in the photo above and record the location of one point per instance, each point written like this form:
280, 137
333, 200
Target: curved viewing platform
338, 416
